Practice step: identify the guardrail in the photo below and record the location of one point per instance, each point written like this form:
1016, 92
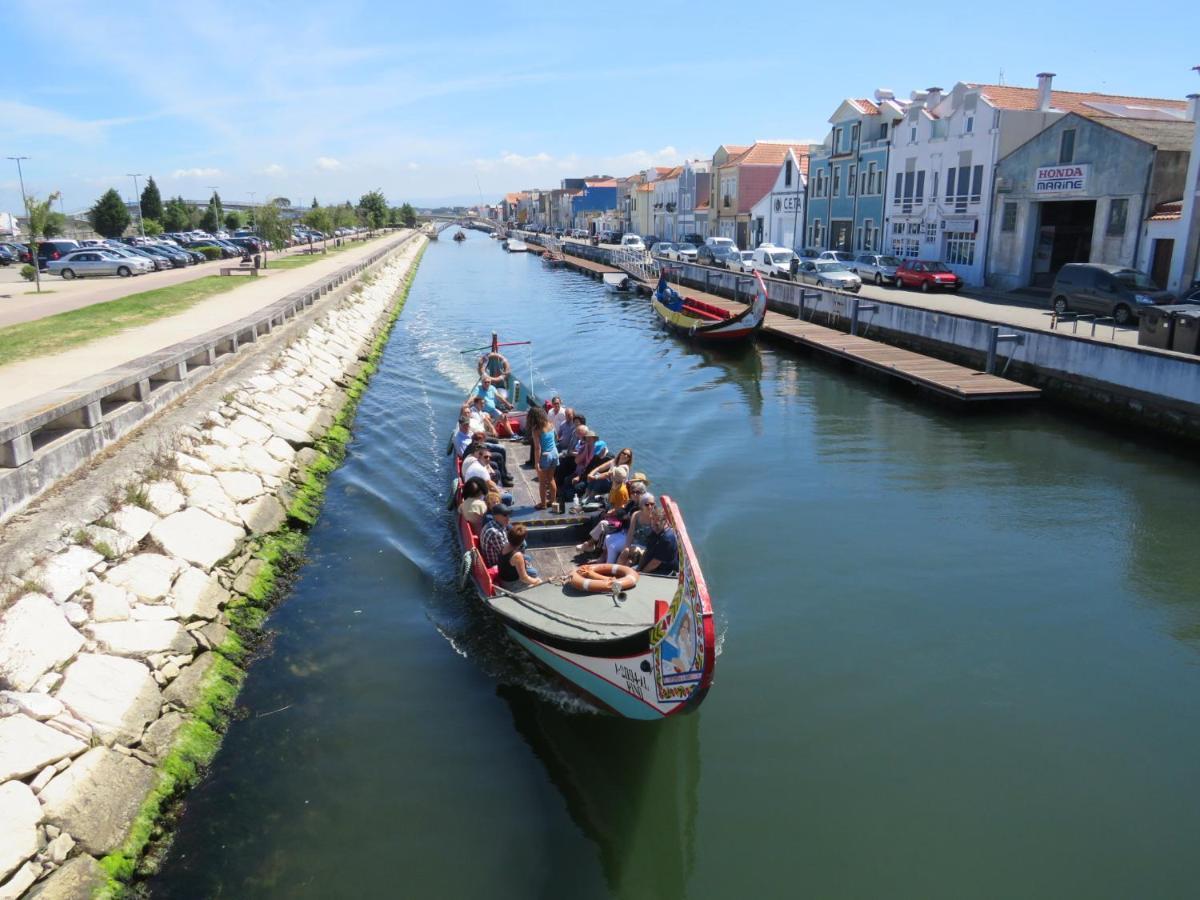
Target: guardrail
48, 436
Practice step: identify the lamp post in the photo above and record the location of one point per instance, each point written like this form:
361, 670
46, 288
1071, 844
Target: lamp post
253, 220
37, 273
137, 193
216, 209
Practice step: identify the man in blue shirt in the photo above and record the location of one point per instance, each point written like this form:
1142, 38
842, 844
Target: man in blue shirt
661, 556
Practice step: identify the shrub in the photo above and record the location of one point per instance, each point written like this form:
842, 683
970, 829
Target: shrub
210, 253
27, 272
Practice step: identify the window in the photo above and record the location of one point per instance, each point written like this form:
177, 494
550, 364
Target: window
976, 184
787, 172
969, 125
950, 183
1008, 219
1118, 211
853, 135
912, 135
960, 248
858, 238
899, 184
883, 129
852, 181
933, 189
837, 140
871, 183
1066, 147
837, 181
920, 195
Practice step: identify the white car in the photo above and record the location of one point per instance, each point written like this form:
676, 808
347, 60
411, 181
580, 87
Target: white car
826, 273
839, 256
663, 249
741, 261
720, 242
632, 242
876, 267
684, 253
773, 262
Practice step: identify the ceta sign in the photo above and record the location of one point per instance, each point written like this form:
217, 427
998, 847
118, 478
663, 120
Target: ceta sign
1060, 179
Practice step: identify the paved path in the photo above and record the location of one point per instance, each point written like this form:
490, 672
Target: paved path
23, 380
20, 302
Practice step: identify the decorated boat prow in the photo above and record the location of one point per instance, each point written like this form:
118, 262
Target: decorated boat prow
705, 321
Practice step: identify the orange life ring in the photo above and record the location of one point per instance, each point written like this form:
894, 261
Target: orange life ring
600, 578
505, 370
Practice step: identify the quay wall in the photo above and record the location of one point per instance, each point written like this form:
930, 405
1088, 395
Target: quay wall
123, 644
1148, 388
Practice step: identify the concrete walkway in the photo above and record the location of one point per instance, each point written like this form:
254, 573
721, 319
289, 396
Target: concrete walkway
28, 378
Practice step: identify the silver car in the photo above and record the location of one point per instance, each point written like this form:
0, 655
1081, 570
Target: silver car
741, 261
663, 249
684, 253
828, 274
95, 261
876, 267
133, 255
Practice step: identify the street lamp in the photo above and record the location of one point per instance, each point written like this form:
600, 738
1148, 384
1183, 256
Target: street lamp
37, 273
137, 193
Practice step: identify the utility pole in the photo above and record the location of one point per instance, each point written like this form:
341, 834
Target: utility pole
137, 193
33, 257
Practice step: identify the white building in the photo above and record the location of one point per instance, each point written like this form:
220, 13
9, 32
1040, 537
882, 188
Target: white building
778, 218
666, 202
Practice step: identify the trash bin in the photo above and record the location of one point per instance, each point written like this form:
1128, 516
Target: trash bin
1186, 336
258, 260
1154, 327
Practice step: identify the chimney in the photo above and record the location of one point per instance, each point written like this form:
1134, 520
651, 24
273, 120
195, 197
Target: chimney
1194, 107
1044, 80
933, 98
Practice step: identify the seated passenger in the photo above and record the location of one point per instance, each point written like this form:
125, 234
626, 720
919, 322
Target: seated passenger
462, 435
639, 531
494, 536
512, 566
474, 504
608, 526
599, 481
476, 463
557, 412
661, 555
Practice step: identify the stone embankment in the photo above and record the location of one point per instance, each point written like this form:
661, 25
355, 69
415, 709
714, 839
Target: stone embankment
122, 649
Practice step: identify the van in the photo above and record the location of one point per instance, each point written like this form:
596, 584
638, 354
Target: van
772, 261
1104, 290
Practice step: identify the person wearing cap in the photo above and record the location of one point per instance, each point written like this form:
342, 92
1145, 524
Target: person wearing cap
495, 533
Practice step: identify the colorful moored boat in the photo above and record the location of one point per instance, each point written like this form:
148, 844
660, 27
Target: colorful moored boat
643, 652
703, 321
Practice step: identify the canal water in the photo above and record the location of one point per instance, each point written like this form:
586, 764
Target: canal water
960, 654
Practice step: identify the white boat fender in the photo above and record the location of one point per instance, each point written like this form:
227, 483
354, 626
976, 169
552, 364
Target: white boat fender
464, 572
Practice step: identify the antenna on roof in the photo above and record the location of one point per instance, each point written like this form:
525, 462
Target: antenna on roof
1001, 81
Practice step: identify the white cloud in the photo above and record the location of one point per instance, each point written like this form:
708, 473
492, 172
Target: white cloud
328, 163
412, 167
196, 173
274, 169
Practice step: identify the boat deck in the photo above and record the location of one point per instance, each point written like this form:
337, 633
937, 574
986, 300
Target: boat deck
937, 376
564, 612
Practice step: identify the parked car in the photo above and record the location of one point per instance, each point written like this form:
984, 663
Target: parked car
225, 252
696, 239
662, 248
131, 253
720, 242
741, 261
847, 259
685, 252
20, 251
811, 253
632, 242
92, 261
927, 275
169, 258
1117, 291
715, 256
773, 262
876, 267
54, 249
826, 273
7, 257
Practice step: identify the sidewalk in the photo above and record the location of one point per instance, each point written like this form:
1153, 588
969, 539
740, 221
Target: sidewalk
26, 379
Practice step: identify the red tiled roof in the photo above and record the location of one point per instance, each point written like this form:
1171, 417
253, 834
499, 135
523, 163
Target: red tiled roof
1007, 97
1171, 211
866, 107
604, 182
647, 188
768, 153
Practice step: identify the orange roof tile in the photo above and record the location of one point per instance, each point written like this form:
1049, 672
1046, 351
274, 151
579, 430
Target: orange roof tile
866, 107
646, 188
769, 153
1008, 97
603, 182
1171, 211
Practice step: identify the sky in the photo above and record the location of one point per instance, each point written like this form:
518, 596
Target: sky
447, 102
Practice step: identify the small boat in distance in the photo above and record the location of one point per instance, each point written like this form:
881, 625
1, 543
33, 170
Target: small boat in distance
513, 245
639, 644
705, 321
618, 282
459, 236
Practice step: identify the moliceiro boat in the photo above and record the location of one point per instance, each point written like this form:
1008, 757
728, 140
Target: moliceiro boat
640, 645
705, 321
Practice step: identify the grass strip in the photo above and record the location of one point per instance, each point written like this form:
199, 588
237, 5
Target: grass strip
282, 553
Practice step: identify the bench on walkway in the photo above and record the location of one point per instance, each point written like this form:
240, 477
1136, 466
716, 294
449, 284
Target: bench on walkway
239, 270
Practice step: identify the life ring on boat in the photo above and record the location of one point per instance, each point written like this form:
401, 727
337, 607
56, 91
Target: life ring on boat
505, 368
602, 577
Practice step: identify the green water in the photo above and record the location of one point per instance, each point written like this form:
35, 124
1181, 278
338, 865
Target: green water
960, 655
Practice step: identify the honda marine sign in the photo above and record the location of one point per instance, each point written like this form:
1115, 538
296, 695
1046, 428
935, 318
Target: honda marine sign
1066, 179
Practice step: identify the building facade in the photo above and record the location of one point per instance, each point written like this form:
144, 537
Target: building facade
847, 174
778, 218
597, 199
1081, 190
743, 180
692, 215
666, 204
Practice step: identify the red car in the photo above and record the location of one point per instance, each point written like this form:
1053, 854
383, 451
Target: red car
927, 276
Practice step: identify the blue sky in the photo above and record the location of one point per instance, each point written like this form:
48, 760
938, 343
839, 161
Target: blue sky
334, 99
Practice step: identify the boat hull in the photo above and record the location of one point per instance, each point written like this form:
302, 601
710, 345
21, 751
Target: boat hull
735, 327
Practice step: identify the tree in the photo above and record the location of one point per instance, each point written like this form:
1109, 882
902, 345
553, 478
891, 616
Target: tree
315, 204
152, 202
151, 227
273, 227
177, 215
56, 224
109, 217
343, 216
374, 208
321, 220
233, 220
211, 220
408, 216
39, 213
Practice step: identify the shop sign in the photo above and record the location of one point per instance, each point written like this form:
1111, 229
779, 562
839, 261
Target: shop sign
961, 226
787, 203
1060, 179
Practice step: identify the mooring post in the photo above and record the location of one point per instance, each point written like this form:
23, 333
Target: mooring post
994, 338
857, 306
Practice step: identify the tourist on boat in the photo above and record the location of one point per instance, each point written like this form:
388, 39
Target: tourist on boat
477, 464
565, 434
474, 505
494, 536
661, 555
600, 479
493, 403
557, 412
638, 533
497, 456
593, 452
462, 435
542, 436
466, 434
480, 420
513, 566
611, 522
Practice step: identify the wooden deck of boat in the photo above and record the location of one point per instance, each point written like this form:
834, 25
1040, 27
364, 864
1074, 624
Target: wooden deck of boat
944, 378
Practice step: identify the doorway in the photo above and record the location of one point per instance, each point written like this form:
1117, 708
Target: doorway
1064, 236
841, 233
1160, 265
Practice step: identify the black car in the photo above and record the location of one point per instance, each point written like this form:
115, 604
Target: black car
225, 252
54, 249
7, 257
19, 252
718, 256
250, 244
692, 239
175, 259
